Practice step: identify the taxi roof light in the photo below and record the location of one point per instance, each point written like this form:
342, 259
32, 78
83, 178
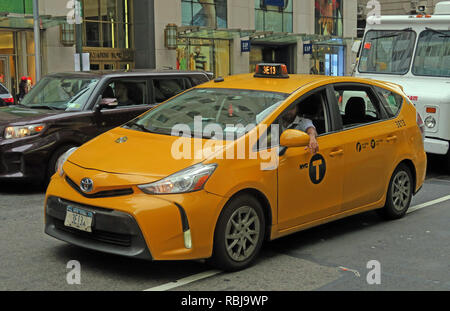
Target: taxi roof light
271, 70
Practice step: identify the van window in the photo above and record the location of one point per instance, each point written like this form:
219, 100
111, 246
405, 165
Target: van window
433, 54
386, 51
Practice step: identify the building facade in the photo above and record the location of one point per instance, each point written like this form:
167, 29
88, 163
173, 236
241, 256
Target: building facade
222, 36
230, 37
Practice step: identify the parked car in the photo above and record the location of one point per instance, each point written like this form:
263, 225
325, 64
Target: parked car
146, 190
67, 109
5, 96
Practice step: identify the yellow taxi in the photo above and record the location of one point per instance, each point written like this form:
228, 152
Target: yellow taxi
221, 168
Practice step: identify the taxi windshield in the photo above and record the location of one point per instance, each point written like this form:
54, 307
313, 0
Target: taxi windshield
387, 51
57, 93
232, 112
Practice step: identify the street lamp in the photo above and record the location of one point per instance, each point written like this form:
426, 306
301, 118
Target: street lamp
170, 36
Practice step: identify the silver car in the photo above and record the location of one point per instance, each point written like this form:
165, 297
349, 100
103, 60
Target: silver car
5, 95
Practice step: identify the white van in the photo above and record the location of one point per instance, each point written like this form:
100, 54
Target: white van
414, 51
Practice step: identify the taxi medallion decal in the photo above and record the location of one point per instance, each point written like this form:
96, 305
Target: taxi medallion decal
317, 168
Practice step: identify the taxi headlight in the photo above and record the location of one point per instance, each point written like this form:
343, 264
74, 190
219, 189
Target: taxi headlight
430, 122
188, 180
62, 159
23, 131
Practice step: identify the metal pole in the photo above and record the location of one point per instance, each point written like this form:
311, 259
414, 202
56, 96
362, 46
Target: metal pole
37, 39
79, 32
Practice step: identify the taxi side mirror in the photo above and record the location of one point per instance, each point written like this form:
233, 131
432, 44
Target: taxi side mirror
294, 138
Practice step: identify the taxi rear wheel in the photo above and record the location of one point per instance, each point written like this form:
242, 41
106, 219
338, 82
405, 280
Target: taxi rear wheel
239, 234
399, 193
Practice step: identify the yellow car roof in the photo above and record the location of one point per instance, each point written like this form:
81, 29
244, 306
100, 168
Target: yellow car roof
248, 82
289, 85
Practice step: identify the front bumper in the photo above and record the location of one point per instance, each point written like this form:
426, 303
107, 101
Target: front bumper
22, 160
436, 146
155, 227
115, 232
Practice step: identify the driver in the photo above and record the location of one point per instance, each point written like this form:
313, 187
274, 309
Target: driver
291, 120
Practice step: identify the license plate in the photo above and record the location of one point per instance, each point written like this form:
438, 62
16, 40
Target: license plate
79, 219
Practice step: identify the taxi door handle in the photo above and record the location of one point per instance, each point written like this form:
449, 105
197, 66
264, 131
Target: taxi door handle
391, 138
336, 153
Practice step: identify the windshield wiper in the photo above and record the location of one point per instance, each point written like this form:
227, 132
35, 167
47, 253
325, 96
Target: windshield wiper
139, 126
43, 107
393, 34
443, 34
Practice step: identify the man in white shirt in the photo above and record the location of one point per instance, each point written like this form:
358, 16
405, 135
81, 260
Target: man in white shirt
291, 120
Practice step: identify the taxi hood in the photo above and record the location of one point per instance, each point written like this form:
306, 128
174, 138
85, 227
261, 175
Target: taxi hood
131, 152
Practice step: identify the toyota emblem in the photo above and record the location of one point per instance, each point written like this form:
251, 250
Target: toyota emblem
86, 185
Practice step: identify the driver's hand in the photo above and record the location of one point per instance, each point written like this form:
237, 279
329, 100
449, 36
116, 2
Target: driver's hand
313, 145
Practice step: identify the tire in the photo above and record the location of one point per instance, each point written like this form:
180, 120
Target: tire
399, 195
51, 167
447, 162
242, 218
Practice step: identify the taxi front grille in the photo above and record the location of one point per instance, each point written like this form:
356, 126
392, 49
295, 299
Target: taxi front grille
101, 236
101, 194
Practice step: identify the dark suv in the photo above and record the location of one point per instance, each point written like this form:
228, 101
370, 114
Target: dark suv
67, 109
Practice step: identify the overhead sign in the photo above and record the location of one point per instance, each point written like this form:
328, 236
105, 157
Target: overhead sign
245, 46
307, 49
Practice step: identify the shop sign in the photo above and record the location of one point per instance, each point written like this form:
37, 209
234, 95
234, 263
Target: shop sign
115, 55
307, 49
245, 46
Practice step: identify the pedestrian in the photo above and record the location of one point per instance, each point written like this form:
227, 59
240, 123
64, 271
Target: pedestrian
23, 88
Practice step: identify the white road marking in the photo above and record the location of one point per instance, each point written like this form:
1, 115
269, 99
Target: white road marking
207, 274
184, 281
417, 207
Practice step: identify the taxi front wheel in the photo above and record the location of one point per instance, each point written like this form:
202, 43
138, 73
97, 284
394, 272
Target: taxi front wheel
399, 193
239, 234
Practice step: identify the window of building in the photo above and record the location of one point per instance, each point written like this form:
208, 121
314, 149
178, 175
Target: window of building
207, 13
328, 17
107, 23
277, 18
204, 54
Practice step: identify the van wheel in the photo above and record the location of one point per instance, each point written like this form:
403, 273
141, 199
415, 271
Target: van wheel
239, 234
447, 161
51, 168
399, 193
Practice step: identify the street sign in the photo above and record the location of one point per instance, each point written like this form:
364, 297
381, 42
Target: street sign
279, 3
86, 62
307, 49
245, 46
